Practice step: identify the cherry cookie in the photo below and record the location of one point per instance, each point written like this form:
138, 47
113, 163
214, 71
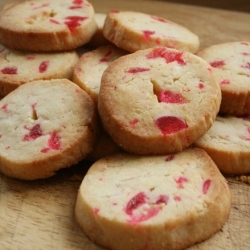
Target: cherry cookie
89, 69
17, 67
134, 31
228, 144
153, 202
45, 125
231, 64
47, 25
158, 100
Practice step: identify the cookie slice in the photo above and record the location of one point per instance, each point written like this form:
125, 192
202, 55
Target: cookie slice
88, 71
231, 64
158, 100
134, 31
47, 25
153, 202
17, 67
228, 144
45, 125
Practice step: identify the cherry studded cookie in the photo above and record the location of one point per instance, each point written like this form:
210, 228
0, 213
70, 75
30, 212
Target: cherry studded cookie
88, 71
153, 202
228, 144
45, 125
231, 64
158, 100
47, 25
134, 31
18, 67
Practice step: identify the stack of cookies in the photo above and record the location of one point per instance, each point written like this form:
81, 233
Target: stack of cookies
139, 106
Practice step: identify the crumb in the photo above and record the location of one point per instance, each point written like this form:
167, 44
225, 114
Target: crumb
243, 178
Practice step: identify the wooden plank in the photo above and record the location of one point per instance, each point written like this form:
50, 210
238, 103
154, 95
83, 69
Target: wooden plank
40, 214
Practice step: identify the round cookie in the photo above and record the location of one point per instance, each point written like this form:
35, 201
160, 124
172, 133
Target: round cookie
47, 25
231, 64
158, 100
153, 202
88, 71
45, 125
98, 38
228, 144
134, 31
17, 67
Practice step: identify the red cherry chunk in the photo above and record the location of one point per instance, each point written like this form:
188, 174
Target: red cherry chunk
170, 124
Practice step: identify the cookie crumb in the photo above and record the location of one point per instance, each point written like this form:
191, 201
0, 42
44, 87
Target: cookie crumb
243, 178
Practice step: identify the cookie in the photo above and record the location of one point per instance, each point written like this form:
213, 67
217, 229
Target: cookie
153, 202
17, 67
47, 25
88, 71
158, 100
228, 144
134, 31
45, 125
231, 64
98, 38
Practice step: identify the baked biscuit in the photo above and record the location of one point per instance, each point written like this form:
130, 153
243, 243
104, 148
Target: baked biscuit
158, 100
17, 67
134, 31
47, 25
231, 64
153, 202
89, 69
228, 144
45, 125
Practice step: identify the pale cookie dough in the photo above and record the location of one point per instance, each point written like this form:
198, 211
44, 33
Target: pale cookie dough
158, 100
134, 31
88, 71
228, 144
231, 64
45, 125
17, 67
153, 202
47, 25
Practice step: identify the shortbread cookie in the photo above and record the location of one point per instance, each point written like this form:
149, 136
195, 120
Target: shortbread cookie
18, 67
153, 202
98, 38
134, 31
231, 63
45, 125
47, 25
158, 100
228, 144
88, 71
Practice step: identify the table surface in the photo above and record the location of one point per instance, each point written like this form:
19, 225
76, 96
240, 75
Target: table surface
40, 214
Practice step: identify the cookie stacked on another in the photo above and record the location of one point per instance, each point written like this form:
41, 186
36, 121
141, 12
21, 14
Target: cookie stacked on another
45, 25
18, 67
227, 142
134, 31
158, 100
45, 125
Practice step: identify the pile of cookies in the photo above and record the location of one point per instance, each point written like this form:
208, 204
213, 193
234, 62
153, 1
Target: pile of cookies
155, 115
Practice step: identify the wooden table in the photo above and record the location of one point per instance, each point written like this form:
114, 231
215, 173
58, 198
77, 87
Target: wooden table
40, 214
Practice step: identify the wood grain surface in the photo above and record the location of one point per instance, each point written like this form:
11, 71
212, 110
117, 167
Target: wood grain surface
40, 214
